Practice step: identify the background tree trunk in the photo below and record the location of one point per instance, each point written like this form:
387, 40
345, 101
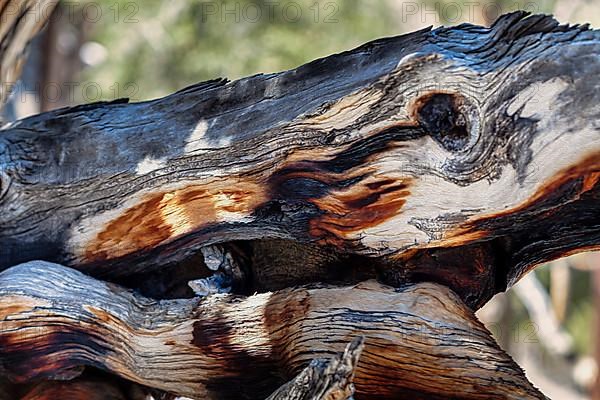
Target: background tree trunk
19, 22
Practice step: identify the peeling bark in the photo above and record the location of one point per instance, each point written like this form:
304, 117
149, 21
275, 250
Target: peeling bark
421, 341
431, 156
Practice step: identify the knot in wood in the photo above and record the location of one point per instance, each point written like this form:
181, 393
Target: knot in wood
442, 116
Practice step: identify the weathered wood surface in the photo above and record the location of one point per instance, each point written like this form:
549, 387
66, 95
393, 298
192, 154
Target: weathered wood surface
76, 390
324, 379
461, 155
20, 20
420, 342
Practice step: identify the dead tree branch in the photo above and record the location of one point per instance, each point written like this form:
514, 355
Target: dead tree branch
433, 155
420, 339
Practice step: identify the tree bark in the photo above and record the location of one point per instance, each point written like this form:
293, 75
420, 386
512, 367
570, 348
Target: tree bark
20, 20
421, 341
433, 156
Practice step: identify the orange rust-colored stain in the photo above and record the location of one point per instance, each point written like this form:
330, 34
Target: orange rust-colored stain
161, 217
362, 206
587, 170
100, 315
589, 181
14, 304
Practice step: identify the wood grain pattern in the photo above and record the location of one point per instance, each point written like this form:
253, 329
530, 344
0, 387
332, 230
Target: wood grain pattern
436, 146
231, 347
175, 213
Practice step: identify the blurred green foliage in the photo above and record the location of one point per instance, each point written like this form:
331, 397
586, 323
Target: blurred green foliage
580, 308
581, 312
162, 46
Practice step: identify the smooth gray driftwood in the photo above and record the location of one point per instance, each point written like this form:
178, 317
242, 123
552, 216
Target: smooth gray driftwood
462, 155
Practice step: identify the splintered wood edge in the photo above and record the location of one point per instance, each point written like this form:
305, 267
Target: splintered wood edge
324, 379
420, 339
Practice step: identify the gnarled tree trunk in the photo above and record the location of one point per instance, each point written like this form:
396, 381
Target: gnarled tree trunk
427, 162
431, 155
